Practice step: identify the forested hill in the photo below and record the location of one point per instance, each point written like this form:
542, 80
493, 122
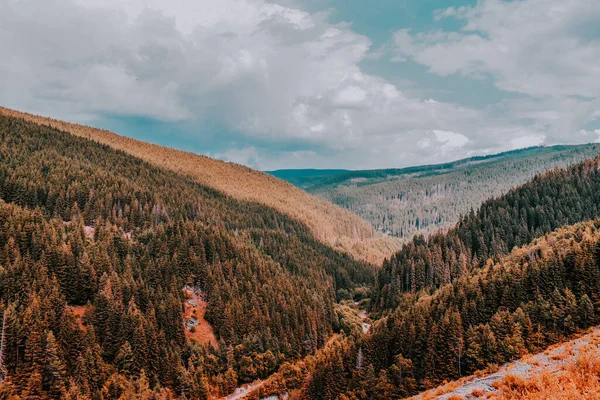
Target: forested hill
538, 295
327, 222
95, 249
424, 199
551, 200
319, 179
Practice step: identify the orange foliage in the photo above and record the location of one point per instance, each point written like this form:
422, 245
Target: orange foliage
78, 312
579, 379
571, 370
329, 223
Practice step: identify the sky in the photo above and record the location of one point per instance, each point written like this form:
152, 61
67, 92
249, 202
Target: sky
311, 83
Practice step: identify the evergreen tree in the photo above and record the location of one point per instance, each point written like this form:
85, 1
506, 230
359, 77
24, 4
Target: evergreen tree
55, 371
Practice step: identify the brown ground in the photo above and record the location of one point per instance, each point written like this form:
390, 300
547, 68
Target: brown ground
329, 223
202, 333
568, 370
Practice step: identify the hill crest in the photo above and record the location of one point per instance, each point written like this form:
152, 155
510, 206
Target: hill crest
329, 223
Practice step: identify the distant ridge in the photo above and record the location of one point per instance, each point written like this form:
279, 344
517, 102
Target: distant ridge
329, 223
404, 202
314, 179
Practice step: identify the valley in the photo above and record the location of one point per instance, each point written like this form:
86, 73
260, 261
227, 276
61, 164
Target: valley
422, 200
175, 289
299, 200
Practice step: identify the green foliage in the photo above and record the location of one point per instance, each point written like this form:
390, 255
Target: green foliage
348, 320
555, 199
421, 200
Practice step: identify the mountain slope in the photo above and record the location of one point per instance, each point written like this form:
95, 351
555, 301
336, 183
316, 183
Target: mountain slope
538, 295
96, 247
551, 200
422, 199
329, 224
567, 370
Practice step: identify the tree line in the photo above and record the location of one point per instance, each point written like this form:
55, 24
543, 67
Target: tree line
551, 200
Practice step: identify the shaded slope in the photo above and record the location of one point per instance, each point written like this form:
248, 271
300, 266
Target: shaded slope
329, 223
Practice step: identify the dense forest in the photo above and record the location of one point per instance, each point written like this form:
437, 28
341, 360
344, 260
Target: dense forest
472, 297
95, 249
328, 223
551, 200
538, 295
99, 251
421, 200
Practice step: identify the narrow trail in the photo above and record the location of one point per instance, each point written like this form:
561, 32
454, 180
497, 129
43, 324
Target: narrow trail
243, 391
550, 360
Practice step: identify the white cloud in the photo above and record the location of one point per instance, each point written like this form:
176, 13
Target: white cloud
535, 47
246, 156
527, 141
275, 73
591, 134
450, 139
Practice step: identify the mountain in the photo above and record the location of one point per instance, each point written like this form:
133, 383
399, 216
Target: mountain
128, 277
305, 178
328, 223
104, 257
423, 199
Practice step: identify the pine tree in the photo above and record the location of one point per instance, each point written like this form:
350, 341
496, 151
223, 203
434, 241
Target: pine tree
34, 388
125, 360
55, 371
585, 312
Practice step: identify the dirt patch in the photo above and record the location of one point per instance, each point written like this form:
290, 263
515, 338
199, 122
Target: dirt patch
552, 361
197, 328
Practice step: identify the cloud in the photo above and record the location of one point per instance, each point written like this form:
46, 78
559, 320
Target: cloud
246, 156
288, 86
527, 141
450, 139
442, 141
534, 47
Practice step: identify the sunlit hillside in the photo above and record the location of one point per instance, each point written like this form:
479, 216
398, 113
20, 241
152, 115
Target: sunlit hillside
329, 223
569, 370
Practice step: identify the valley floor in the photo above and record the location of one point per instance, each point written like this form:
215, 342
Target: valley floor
569, 370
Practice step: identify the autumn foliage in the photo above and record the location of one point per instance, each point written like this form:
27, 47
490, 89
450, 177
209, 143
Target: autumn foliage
330, 224
95, 249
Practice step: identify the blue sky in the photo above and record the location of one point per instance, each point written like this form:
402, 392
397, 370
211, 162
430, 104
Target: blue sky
311, 84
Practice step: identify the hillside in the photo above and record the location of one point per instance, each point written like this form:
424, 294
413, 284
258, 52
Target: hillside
328, 223
307, 178
101, 254
551, 200
568, 370
422, 199
539, 295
